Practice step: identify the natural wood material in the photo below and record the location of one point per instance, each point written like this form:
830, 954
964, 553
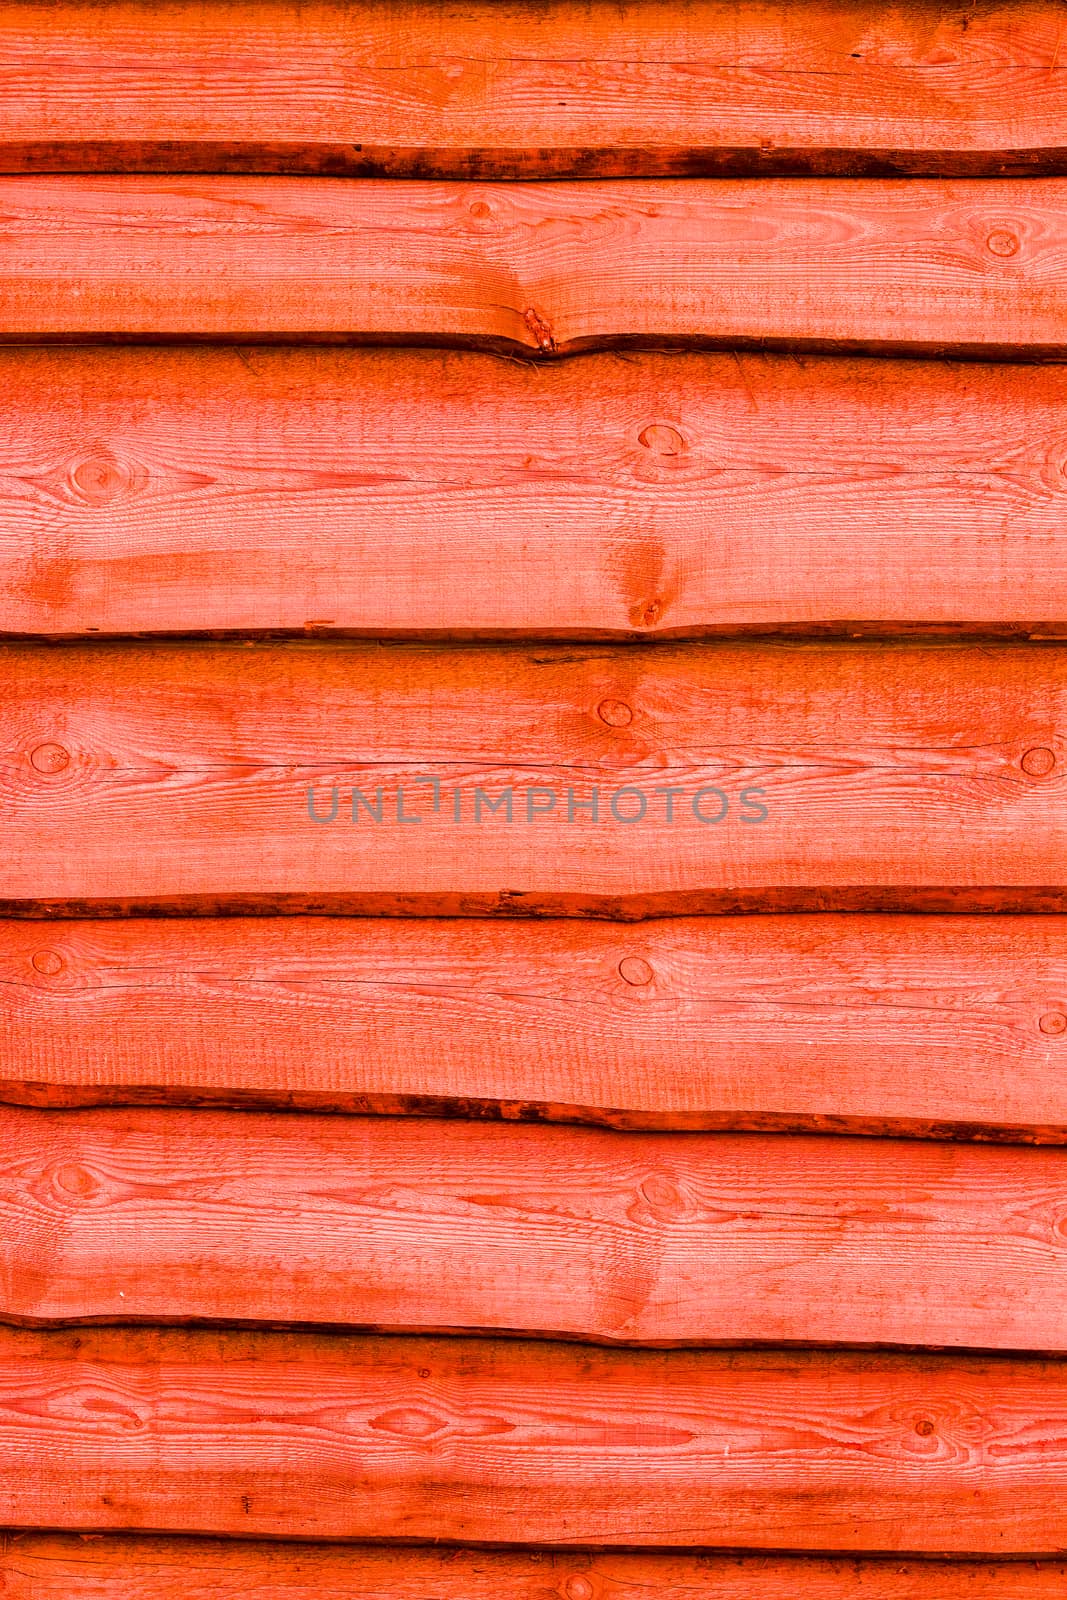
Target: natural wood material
952, 1026
484, 89
200, 776
155, 490
972, 267
501, 1442
413, 1225
56, 1566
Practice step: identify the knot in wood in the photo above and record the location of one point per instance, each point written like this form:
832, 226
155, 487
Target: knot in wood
540, 329
616, 713
634, 970
578, 1588
1002, 242
99, 479
49, 758
662, 439
1039, 762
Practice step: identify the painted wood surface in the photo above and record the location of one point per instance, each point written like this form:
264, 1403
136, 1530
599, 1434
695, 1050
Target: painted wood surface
957, 266
485, 89
699, 494
55, 1566
497, 1441
198, 776
945, 1026
637, 494
422, 1226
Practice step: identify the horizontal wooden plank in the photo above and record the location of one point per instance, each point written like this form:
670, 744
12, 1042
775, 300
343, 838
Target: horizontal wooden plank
411, 1225
950, 1026
967, 266
484, 88
501, 1442
739, 774
55, 1566
154, 490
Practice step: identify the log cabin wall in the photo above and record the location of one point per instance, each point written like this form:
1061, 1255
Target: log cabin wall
533, 734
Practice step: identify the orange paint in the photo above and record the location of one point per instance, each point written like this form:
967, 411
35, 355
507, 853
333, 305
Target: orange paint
50, 1566
556, 268
638, 780
752, 207
920, 1025
712, 1239
496, 88
455, 1440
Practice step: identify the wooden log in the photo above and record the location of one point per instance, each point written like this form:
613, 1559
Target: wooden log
417, 1226
958, 266
943, 1026
155, 491
501, 1442
486, 89
55, 1566
354, 777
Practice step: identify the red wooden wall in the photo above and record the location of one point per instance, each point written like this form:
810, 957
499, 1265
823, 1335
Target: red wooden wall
421, 425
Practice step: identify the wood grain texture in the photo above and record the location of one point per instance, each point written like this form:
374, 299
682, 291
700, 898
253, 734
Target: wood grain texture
56, 1566
944, 1026
627, 1238
501, 1442
155, 490
958, 266
200, 776
485, 89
